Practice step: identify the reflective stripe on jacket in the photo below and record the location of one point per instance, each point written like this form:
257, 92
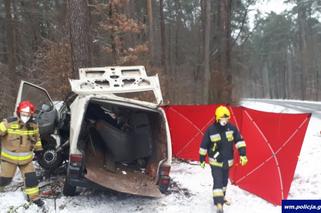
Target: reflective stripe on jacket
218, 142
19, 140
16, 156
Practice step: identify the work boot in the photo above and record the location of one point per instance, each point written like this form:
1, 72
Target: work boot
227, 202
39, 202
219, 208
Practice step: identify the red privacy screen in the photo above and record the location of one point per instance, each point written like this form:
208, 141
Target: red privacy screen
273, 142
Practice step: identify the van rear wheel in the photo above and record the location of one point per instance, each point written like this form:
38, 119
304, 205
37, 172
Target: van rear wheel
69, 190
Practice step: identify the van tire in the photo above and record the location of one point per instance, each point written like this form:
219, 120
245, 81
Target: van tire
69, 190
50, 159
163, 188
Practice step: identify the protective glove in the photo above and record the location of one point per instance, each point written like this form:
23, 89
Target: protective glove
243, 160
202, 164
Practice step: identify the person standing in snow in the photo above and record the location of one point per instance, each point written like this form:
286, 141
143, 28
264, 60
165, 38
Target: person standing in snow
217, 143
20, 137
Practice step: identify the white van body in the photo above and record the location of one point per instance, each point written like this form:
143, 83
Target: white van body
116, 140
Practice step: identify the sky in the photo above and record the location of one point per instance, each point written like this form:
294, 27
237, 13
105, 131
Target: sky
265, 7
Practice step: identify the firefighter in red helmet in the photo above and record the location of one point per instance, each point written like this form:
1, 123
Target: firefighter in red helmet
217, 144
20, 137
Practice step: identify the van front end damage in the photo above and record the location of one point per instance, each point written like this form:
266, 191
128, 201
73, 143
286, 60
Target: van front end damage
110, 131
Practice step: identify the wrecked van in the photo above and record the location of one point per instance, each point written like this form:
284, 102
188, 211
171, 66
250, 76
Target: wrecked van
111, 131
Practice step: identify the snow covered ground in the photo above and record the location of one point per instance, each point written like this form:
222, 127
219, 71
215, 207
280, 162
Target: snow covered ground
191, 189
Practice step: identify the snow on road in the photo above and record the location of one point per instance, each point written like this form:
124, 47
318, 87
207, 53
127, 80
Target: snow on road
191, 188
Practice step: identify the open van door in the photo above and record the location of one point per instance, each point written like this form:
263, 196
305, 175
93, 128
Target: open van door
46, 113
118, 80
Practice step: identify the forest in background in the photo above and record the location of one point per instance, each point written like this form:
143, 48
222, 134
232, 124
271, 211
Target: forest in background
205, 51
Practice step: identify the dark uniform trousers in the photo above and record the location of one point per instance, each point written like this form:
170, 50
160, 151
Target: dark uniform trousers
220, 180
218, 144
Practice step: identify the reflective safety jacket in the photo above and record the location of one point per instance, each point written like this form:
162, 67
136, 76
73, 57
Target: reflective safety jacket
19, 140
218, 142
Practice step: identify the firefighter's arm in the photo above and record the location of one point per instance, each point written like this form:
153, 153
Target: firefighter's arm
241, 147
38, 144
203, 148
3, 128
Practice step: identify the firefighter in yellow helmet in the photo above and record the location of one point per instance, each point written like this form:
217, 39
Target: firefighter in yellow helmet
217, 143
20, 137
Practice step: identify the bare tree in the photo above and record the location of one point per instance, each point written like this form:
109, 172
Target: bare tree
35, 25
207, 32
79, 35
225, 48
11, 39
163, 38
150, 29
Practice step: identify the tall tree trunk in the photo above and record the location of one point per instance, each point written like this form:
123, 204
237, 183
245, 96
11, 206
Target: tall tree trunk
226, 13
11, 40
317, 56
164, 57
150, 29
207, 32
170, 51
265, 80
176, 50
45, 25
215, 53
113, 36
178, 27
290, 77
163, 37
35, 26
309, 58
302, 48
79, 35
3, 45
9, 77
132, 40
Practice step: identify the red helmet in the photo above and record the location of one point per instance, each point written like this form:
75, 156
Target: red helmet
25, 106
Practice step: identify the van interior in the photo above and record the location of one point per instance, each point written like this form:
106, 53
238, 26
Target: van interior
123, 147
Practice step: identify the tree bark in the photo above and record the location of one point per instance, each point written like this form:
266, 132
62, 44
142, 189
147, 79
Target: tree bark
163, 37
150, 29
265, 80
302, 49
226, 9
207, 31
290, 76
178, 27
79, 35
35, 24
11, 40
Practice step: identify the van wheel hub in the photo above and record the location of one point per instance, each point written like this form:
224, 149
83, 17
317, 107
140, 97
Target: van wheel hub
50, 157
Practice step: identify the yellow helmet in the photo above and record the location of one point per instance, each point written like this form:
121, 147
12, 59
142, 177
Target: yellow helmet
222, 112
